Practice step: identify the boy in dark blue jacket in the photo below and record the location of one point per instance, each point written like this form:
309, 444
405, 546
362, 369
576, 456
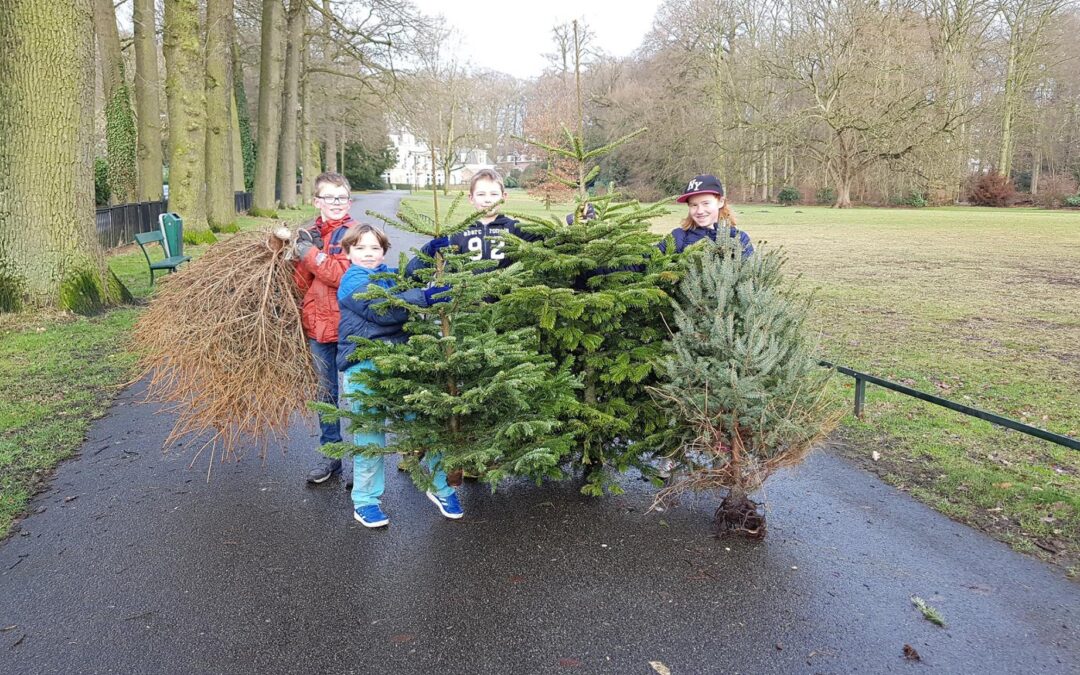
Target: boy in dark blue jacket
484, 239
366, 248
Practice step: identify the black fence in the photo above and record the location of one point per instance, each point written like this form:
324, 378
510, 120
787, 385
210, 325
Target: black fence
118, 225
860, 397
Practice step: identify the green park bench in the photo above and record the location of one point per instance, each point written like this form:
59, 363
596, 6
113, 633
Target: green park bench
170, 263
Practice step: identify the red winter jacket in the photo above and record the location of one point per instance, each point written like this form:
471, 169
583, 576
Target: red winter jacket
318, 275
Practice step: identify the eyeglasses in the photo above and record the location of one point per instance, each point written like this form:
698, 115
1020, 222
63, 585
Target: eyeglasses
333, 200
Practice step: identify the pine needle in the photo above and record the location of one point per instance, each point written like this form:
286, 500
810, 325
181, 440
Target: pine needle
224, 349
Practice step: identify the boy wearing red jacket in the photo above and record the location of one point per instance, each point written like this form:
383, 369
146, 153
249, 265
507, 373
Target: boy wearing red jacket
318, 273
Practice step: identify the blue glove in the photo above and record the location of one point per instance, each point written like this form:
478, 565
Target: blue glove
436, 290
590, 213
437, 244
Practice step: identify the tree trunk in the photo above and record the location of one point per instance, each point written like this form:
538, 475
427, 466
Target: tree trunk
240, 106
237, 147
844, 174
49, 254
269, 109
220, 202
309, 147
120, 139
1036, 165
765, 176
331, 148
1009, 107
843, 194
147, 103
186, 101
287, 158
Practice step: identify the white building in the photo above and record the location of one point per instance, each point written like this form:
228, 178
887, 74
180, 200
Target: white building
413, 165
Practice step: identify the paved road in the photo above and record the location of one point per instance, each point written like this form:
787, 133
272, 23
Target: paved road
132, 562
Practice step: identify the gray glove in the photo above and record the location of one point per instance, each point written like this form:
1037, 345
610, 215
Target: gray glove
305, 241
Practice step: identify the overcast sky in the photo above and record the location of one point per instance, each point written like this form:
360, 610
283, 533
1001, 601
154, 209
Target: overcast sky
513, 36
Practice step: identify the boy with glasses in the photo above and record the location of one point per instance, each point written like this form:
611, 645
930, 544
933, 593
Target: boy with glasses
321, 264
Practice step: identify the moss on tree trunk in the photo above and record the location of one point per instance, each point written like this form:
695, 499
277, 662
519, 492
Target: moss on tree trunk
220, 204
186, 101
147, 104
287, 153
269, 109
49, 254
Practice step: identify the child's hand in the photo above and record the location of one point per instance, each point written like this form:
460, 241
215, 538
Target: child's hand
307, 240
436, 290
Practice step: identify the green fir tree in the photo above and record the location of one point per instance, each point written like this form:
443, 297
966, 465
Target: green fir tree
466, 384
743, 388
596, 290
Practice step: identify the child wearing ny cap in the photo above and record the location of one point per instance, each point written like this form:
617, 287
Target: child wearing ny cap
708, 212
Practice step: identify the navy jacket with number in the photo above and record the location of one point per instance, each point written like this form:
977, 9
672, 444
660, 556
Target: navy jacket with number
479, 241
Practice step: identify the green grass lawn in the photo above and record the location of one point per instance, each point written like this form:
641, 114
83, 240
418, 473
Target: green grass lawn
59, 372
980, 306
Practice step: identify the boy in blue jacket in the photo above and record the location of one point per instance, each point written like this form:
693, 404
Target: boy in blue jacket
366, 248
484, 239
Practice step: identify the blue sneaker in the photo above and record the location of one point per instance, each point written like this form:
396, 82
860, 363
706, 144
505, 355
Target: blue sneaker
449, 505
371, 515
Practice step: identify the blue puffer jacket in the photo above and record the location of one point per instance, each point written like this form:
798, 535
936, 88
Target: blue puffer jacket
684, 238
360, 317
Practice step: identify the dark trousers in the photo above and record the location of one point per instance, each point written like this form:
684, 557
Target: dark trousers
325, 355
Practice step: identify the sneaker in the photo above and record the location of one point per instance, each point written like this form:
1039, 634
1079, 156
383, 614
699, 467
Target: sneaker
664, 467
324, 470
449, 505
371, 515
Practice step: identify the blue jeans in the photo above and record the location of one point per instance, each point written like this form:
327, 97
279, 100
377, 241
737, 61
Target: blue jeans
325, 356
369, 473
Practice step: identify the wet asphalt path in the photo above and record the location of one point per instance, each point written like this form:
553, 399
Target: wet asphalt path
132, 562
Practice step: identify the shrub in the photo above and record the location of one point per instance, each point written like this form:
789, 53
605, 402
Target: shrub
991, 189
915, 200
1054, 190
788, 196
101, 182
825, 196
1072, 202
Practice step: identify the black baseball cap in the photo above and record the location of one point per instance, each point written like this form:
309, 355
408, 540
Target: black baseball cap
702, 185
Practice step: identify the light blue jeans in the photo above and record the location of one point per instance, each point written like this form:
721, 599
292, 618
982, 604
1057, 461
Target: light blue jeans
369, 473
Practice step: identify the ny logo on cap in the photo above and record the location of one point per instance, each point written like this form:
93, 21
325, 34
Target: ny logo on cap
694, 184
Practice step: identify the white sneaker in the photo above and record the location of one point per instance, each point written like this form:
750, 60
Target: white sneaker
664, 467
